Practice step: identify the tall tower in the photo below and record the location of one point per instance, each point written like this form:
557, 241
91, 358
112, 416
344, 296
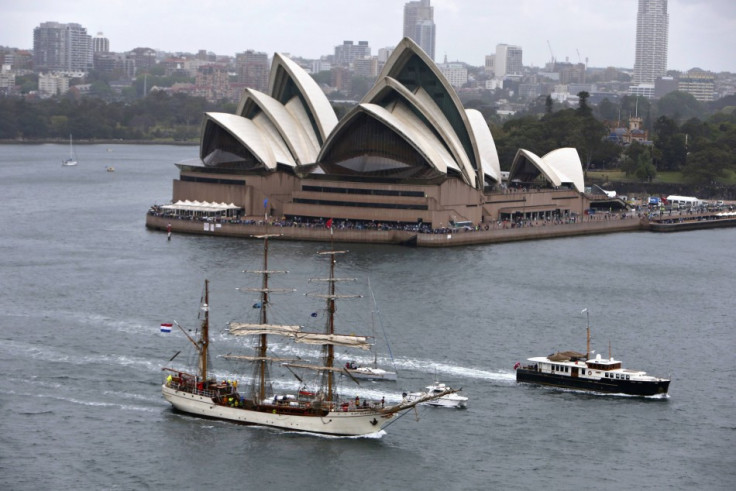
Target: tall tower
419, 24
652, 25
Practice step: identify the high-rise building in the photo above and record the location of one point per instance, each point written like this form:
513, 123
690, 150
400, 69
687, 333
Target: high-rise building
348, 52
100, 44
253, 67
699, 83
508, 61
61, 47
419, 24
652, 24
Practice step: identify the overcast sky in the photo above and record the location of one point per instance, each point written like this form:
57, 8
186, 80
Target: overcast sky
702, 33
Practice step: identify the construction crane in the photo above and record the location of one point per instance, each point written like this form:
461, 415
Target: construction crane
553, 61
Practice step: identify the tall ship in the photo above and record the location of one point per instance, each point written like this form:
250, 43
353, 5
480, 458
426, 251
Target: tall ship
574, 370
317, 409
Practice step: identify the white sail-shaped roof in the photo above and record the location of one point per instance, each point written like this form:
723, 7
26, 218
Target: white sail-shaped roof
249, 135
412, 67
489, 163
388, 89
559, 167
289, 129
288, 79
401, 121
566, 162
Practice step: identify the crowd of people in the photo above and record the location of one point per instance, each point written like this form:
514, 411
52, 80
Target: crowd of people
510, 222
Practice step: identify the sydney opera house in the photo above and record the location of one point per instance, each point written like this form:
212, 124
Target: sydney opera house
408, 153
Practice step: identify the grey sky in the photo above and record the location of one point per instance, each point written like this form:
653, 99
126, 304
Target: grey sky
702, 32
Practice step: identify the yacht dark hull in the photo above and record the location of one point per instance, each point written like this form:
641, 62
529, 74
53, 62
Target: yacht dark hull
610, 386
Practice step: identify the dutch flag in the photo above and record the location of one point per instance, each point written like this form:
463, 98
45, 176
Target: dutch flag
166, 327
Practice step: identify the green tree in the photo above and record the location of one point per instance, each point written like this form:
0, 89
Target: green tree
708, 165
679, 106
607, 110
637, 161
583, 108
670, 145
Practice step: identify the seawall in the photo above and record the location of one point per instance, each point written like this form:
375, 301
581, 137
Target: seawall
319, 234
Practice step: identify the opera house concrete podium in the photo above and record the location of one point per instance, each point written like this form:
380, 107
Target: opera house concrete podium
408, 153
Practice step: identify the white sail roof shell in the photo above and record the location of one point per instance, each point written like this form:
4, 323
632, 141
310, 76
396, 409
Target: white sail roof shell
489, 164
251, 137
561, 166
407, 125
316, 101
286, 126
566, 162
422, 102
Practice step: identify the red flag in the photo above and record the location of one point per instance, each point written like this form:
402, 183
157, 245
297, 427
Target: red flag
329, 223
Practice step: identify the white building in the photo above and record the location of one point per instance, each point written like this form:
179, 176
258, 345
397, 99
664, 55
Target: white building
51, 84
455, 73
508, 61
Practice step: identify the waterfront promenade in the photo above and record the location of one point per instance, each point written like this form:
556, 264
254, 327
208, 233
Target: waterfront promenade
484, 234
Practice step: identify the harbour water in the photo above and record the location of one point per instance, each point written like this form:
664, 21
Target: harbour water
85, 286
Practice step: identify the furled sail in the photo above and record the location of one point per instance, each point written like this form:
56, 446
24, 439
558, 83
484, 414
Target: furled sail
333, 339
257, 358
318, 368
245, 329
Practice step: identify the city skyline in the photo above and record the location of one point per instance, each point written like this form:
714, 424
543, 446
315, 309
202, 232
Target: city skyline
604, 32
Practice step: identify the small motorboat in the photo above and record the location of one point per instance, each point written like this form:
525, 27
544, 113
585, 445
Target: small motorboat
452, 400
369, 373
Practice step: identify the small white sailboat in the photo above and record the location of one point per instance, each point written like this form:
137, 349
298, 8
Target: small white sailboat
72, 160
372, 372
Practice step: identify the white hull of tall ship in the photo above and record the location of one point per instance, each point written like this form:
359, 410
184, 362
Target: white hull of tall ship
340, 423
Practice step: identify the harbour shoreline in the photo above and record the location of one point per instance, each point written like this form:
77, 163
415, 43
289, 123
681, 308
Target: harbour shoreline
450, 238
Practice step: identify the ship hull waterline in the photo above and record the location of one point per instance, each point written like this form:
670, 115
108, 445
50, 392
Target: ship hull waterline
337, 423
608, 386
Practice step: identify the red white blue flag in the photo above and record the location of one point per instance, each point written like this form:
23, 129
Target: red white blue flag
166, 327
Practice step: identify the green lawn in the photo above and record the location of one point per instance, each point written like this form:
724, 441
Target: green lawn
664, 177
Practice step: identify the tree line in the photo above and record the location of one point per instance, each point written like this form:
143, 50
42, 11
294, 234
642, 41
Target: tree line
158, 116
704, 150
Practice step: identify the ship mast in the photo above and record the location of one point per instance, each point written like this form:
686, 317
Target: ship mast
263, 345
331, 326
205, 340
